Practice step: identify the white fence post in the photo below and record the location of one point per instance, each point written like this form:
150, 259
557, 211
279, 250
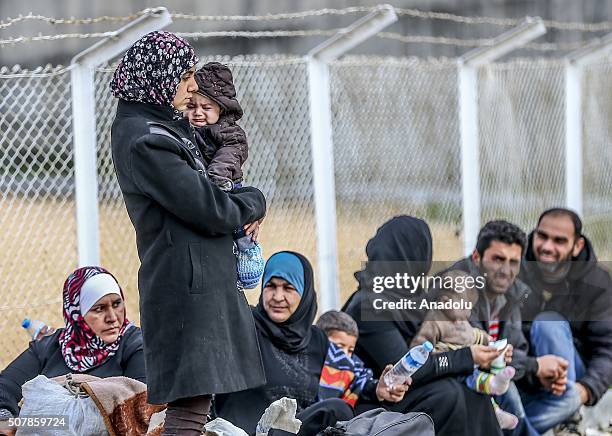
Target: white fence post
322, 143
574, 68
85, 164
323, 181
470, 159
468, 119
573, 137
84, 125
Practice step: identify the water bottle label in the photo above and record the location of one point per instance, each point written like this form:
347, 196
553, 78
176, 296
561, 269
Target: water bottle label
410, 364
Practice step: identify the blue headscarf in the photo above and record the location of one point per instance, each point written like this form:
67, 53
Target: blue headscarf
292, 335
286, 266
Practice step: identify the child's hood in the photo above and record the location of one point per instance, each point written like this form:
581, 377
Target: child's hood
215, 81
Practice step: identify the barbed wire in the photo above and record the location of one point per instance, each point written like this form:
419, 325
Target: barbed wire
407, 39
414, 13
276, 17
259, 33
23, 39
478, 42
51, 20
504, 22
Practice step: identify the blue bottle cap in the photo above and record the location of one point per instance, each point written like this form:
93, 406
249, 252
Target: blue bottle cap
428, 346
25, 323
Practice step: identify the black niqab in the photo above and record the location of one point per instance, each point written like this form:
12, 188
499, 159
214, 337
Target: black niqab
403, 239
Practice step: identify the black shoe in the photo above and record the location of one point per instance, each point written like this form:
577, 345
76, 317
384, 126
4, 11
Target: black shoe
571, 427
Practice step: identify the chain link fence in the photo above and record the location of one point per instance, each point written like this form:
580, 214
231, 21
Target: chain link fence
522, 139
37, 209
597, 157
396, 150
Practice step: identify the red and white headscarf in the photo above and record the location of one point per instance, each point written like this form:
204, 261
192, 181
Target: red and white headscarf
81, 347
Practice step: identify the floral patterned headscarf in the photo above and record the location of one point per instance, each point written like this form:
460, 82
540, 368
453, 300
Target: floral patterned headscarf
151, 69
81, 347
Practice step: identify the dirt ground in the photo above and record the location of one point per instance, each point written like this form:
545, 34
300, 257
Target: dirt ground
38, 240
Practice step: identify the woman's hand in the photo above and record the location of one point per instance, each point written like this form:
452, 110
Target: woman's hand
393, 393
483, 355
253, 229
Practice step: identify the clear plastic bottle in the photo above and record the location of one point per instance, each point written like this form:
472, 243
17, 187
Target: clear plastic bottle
36, 329
408, 365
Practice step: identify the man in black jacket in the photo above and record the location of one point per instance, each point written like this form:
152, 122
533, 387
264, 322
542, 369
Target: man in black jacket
497, 258
571, 309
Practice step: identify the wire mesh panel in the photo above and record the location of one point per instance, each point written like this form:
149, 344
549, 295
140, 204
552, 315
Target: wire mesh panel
37, 211
396, 151
597, 157
274, 94
522, 140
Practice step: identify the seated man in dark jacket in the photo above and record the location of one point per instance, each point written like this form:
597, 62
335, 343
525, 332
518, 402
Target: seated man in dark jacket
571, 309
497, 258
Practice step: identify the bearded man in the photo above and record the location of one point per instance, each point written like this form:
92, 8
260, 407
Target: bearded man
570, 307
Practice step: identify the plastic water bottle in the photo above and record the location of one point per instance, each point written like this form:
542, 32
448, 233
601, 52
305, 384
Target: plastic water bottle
408, 365
36, 329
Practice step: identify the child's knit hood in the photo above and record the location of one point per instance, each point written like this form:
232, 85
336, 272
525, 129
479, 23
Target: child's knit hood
216, 82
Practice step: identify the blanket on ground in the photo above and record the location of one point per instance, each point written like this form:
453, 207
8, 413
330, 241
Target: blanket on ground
122, 401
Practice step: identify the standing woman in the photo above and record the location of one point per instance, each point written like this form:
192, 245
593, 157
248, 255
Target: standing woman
199, 334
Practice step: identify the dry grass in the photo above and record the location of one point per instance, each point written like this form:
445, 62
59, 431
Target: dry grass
38, 241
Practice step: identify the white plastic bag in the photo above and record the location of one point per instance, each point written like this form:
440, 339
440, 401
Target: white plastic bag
221, 427
279, 415
44, 397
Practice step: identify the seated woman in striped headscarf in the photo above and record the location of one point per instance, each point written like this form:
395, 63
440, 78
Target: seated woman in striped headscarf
97, 339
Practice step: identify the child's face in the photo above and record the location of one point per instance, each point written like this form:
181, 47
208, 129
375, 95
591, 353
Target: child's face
202, 111
456, 314
343, 340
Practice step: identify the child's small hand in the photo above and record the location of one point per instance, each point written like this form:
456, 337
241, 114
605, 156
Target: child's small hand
393, 393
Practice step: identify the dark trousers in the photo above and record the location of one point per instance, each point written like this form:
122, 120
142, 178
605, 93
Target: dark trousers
187, 416
455, 409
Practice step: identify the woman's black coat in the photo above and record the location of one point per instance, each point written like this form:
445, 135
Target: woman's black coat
199, 334
291, 375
